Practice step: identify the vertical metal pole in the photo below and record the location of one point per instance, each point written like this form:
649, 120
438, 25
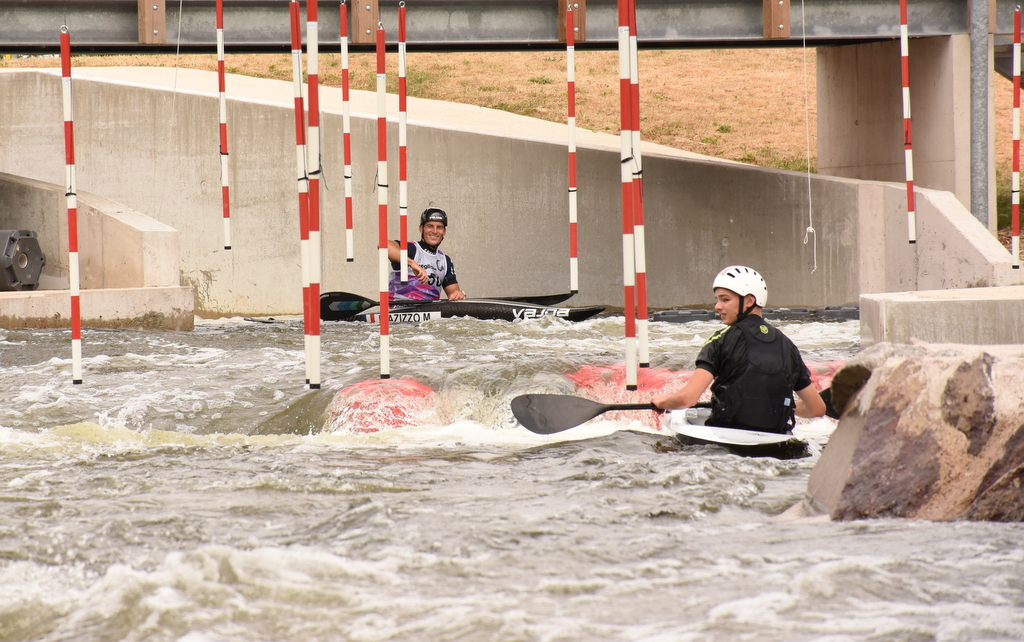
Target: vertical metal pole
313, 165
72, 207
638, 192
224, 182
980, 66
403, 193
300, 174
346, 133
907, 134
570, 72
382, 204
626, 177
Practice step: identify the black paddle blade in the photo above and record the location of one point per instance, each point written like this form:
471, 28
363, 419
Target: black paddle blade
830, 410
340, 306
548, 414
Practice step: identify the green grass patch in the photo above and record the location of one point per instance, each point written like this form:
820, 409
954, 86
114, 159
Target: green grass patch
1004, 197
770, 157
523, 109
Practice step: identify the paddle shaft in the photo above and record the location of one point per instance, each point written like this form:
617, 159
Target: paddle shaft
628, 406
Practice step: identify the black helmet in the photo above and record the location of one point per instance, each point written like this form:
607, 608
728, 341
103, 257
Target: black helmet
434, 214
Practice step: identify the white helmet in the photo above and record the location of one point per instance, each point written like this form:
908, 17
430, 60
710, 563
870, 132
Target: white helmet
743, 281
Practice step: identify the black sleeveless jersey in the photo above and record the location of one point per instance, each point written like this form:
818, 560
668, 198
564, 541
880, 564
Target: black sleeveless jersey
756, 369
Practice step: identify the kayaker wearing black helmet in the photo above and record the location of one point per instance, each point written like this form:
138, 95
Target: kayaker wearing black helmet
430, 269
751, 366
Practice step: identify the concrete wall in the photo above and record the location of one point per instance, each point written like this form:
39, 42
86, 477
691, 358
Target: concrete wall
167, 307
129, 267
980, 316
148, 138
953, 249
118, 247
860, 113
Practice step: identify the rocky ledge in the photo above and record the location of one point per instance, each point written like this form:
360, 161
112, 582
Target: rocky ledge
928, 431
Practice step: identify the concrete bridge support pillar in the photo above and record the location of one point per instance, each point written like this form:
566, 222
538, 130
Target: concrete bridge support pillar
860, 114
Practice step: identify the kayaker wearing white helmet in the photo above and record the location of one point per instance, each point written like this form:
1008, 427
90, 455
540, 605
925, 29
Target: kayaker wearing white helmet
430, 269
752, 368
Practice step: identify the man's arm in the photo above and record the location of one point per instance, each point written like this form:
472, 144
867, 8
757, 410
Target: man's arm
395, 255
809, 403
688, 395
451, 282
453, 292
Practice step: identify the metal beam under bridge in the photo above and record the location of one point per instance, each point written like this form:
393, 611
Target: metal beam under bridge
118, 26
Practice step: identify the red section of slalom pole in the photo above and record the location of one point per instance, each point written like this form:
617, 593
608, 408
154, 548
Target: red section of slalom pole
224, 181
1015, 187
346, 128
313, 164
626, 175
382, 204
638, 192
72, 207
301, 178
403, 193
907, 136
570, 73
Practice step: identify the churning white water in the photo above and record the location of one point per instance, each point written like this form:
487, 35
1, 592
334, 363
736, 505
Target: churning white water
187, 490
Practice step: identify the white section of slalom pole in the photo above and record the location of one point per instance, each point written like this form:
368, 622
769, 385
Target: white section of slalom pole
1015, 186
301, 177
570, 73
403, 186
224, 177
626, 177
382, 204
314, 168
346, 133
638, 193
72, 207
907, 135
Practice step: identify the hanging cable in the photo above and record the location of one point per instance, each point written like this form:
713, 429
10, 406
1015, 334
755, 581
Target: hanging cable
809, 234
174, 115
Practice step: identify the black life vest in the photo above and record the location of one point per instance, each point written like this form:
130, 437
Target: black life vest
761, 398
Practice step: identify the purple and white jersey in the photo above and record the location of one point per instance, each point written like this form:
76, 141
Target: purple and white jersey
439, 267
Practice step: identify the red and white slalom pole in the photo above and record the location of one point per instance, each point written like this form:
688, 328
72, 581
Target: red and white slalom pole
346, 133
301, 178
638, 193
403, 193
313, 165
72, 205
1015, 187
570, 73
382, 203
224, 182
907, 137
626, 175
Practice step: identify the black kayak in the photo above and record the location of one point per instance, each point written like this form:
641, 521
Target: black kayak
491, 309
344, 306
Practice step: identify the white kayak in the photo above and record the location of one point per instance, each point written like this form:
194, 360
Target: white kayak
689, 426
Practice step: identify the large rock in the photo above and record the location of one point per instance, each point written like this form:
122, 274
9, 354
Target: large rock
928, 431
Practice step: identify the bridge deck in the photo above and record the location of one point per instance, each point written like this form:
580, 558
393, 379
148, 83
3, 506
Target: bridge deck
32, 26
